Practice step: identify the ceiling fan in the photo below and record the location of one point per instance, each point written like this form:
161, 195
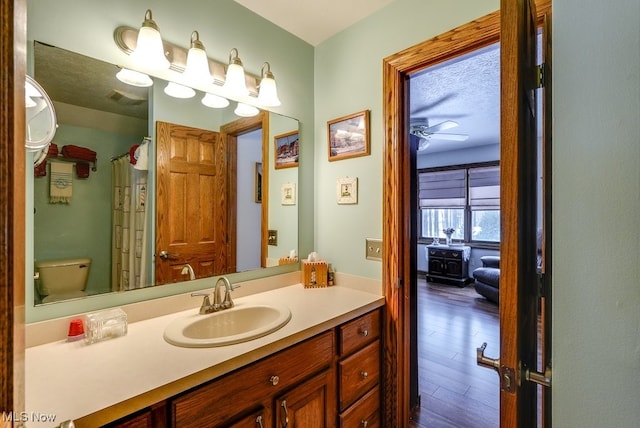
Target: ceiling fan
420, 128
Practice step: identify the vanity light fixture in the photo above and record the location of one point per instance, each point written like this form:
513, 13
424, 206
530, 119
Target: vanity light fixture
214, 101
268, 92
234, 83
197, 67
177, 90
149, 51
246, 110
134, 78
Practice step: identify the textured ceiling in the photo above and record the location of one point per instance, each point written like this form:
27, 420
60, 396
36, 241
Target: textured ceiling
76, 79
465, 90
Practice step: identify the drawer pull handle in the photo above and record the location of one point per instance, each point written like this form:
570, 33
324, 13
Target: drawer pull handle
274, 380
364, 375
284, 413
259, 422
364, 423
364, 332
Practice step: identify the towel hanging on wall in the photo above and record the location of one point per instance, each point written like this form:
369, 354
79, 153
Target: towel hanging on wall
61, 185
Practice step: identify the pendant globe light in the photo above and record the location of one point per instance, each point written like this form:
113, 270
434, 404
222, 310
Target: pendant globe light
149, 51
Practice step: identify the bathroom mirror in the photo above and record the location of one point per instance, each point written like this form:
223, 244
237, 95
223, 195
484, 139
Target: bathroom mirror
97, 112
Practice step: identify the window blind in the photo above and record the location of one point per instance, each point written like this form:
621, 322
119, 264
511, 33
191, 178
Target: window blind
442, 189
484, 188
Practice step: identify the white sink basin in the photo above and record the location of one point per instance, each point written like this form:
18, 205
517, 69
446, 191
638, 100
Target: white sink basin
238, 324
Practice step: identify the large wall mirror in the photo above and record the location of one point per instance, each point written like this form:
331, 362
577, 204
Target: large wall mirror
122, 124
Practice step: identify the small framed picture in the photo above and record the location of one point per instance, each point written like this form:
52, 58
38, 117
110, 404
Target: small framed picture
286, 150
288, 194
258, 183
347, 190
349, 136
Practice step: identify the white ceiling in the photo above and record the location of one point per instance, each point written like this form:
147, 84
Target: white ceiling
313, 21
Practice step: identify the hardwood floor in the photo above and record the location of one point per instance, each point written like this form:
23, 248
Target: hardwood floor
455, 392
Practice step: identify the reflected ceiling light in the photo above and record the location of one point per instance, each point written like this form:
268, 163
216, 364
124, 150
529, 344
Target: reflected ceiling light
234, 82
197, 68
30, 92
176, 90
246, 110
214, 101
134, 78
149, 51
268, 92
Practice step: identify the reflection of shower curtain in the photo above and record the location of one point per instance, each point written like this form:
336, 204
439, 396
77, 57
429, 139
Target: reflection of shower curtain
129, 234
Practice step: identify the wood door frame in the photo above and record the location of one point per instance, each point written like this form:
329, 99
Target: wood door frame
396, 196
12, 204
230, 133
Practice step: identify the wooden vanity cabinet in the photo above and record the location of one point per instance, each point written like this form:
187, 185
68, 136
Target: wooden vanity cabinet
359, 372
329, 380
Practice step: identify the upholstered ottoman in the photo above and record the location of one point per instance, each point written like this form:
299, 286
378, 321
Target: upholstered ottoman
487, 278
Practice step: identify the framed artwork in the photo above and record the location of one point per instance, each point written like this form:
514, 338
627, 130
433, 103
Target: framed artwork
288, 194
347, 190
286, 150
258, 183
349, 136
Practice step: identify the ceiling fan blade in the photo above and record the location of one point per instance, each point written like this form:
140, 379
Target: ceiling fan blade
450, 137
447, 124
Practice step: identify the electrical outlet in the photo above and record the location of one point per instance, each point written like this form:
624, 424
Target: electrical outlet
374, 249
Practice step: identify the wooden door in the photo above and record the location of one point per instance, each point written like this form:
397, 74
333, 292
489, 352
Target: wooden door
519, 282
192, 193
12, 212
518, 318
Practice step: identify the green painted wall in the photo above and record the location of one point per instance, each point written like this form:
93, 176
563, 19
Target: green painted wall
81, 228
348, 70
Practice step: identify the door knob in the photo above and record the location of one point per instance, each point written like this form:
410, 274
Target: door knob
165, 255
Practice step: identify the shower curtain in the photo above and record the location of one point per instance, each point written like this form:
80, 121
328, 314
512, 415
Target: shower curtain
129, 234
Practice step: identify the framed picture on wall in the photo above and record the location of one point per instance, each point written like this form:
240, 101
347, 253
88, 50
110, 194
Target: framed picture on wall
286, 150
349, 136
288, 194
347, 190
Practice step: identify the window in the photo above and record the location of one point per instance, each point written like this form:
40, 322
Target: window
466, 199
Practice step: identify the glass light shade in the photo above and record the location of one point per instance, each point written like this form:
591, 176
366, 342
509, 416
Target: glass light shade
134, 78
214, 101
197, 67
268, 93
149, 50
176, 90
245, 110
234, 82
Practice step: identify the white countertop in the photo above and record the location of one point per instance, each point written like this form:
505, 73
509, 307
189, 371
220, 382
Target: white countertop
72, 379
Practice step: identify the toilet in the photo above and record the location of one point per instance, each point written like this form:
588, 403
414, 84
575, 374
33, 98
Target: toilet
62, 279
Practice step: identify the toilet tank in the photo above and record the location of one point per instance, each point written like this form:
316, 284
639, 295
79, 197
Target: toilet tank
62, 276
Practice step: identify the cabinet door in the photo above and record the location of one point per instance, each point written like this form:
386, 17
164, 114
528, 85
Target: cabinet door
310, 404
436, 266
454, 268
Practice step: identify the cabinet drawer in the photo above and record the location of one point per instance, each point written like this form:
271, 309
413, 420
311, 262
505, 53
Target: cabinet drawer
215, 403
358, 373
364, 413
356, 333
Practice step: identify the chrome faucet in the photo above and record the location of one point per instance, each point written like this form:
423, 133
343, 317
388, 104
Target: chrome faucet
218, 303
227, 302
